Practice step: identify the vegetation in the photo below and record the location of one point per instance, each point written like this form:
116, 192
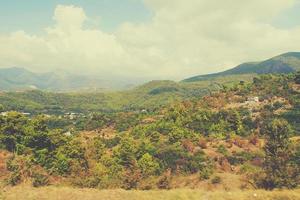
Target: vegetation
284, 63
243, 130
150, 96
279, 167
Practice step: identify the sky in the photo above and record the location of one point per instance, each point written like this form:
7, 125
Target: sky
145, 39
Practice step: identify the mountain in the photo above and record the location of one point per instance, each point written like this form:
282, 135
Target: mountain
284, 63
20, 79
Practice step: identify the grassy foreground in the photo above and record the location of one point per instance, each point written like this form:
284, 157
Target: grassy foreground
65, 193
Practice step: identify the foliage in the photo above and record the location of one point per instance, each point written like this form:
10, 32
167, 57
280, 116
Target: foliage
39, 180
148, 165
279, 170
146, 148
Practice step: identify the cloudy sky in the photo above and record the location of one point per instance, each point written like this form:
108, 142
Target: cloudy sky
150, 39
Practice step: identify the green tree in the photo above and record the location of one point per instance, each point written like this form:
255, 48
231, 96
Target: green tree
278, 167
297, 78
13, 128
126, 151
98, 147
1, 108
148, 165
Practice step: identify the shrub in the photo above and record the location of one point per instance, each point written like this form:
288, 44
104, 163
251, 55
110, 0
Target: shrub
240, 158
240, 142
202, 143
205, 173
253, 139
248, 169
131, 178
216, 180
196, 162
87, 182
222, 149
14, 179
61, 164
39, 180
148, 165
165, 181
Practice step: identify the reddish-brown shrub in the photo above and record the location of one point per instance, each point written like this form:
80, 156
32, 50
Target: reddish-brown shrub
202, 143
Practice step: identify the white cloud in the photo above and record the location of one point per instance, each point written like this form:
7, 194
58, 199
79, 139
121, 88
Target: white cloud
69, 18
183, 38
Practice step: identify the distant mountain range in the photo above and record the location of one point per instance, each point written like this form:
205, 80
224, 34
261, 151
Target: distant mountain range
20, 79
285, 63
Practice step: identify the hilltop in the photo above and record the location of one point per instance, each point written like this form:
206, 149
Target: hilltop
284, 63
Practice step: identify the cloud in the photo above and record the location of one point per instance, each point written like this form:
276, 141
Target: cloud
69, 18
182, 39
66, 45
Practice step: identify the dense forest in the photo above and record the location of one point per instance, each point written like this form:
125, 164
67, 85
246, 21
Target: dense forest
245, 133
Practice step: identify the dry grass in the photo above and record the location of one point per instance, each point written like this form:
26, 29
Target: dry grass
65, 193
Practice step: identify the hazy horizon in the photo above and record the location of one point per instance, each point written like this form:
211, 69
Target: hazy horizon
144, 40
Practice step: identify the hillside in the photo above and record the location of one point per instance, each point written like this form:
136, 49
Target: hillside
216, 142
285, 63
148, 96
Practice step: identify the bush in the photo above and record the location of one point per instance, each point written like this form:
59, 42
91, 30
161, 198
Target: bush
202, 143
222, 149
131, 178
39, 180
205, 173
14, 179
240, 158
148, 165
87, 182
61, 165
254, 139
216, 180
248, 169
164, 182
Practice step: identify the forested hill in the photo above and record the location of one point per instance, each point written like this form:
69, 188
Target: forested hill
149, 96
285, 63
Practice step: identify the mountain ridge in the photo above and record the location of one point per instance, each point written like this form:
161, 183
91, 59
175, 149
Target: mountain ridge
21, 79
283, 63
